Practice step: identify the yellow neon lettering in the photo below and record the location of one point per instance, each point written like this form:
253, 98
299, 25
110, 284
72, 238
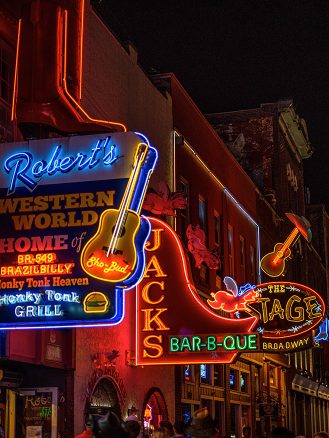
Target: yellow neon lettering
276, 310
153, 346
298, 310
263, 302
154, 266
156, 240
145, 292
148, 319
310, 306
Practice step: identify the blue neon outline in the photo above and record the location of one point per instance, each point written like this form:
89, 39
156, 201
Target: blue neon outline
143, 137
324, 323
116, 319
53, 161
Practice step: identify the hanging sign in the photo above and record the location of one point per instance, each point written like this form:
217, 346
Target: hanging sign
175, 326
72, 237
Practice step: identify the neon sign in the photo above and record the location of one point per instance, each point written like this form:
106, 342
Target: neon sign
43, 284
162, 337
20, 166
111, 255
243, 342
273, 263
277, 316
287, 312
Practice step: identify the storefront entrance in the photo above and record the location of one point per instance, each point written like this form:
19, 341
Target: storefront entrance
104, 399
154, 410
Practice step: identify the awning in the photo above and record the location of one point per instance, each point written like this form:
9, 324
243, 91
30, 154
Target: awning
323, 392
305, 385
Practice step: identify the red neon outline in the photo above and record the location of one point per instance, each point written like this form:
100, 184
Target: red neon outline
13, 103
81, 46
191, 287
108, 122
309, 328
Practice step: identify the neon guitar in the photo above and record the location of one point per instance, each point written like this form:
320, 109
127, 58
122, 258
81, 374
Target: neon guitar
111, 254
273, 263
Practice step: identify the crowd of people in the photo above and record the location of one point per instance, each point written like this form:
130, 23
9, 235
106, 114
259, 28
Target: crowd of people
201, 425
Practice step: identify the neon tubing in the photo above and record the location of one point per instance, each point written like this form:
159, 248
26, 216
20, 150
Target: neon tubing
69, 95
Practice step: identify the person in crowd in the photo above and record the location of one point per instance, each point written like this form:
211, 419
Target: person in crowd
167, 425
110, 426
132, 414
161, 432
321, 434
133, 428
281, 432
179, 429
202, 425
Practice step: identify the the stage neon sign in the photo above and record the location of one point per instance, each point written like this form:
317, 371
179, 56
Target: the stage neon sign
287, 312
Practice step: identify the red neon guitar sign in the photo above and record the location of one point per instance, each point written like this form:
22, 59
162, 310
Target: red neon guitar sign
111, 255
273, 263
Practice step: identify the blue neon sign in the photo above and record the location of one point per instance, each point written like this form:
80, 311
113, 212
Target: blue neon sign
73, 181
22, 166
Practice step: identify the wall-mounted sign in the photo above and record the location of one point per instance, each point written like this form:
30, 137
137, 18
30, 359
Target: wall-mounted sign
57, 195
175, 326
287, 312
273, 264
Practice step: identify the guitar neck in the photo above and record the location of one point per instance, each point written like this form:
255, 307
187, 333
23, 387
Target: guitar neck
289, 240
126, 199
287, 243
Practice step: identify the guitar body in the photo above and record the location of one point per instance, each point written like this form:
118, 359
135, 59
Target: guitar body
273, 263
120, 263
140, 240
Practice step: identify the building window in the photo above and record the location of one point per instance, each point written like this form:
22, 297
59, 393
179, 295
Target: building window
204, 273
219, 408
273, 378
206, 403
230, 249
188, 373
244, 382
186, 412
205, 374
243, 258
233, 379
218, 239
218, 375
217, 228
252, 256
184, 214
203, 219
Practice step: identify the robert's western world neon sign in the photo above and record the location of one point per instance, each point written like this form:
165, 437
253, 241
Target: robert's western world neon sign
72, 236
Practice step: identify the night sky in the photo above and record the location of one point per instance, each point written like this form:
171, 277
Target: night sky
237, 54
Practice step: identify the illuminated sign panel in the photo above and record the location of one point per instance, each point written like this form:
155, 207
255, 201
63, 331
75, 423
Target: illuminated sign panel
287, 312
173, 324
53, 194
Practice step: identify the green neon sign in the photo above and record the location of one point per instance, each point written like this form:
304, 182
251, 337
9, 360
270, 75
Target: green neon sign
193, 344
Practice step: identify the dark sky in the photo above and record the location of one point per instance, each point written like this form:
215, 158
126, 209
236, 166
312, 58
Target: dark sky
237, 54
